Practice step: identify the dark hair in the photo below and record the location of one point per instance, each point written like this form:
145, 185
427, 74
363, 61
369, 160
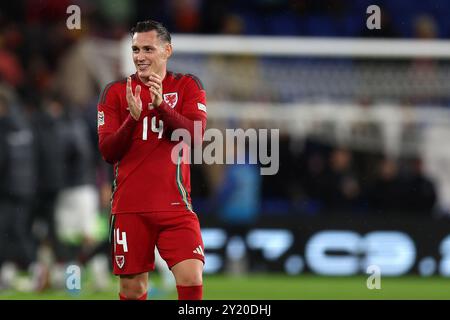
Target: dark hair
149, 25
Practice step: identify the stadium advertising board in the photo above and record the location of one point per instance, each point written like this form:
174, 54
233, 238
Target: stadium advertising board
332, 247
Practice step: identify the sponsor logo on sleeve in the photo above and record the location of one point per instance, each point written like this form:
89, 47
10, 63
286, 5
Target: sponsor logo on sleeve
201, 106
100, 119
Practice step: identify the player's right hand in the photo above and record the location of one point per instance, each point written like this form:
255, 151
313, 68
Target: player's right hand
134, 100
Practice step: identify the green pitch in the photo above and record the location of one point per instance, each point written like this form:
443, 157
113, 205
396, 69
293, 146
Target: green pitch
275, 286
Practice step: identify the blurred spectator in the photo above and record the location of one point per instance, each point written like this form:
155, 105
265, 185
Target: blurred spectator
343, 191
66, 206
238, 200
313, 178
185, 15
425, 27
278, 191
49, 147
10, 69
386, 195
233, 25
74, 78
425, 70
17, 187
420, 198
200, 187
77, 204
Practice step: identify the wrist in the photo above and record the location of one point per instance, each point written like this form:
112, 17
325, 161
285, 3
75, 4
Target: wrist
156, 104
132, 119
134, 116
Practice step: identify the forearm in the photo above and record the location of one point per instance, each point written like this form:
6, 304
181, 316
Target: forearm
174, 120
113, 146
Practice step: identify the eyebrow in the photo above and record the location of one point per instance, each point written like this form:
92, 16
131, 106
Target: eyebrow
144, 47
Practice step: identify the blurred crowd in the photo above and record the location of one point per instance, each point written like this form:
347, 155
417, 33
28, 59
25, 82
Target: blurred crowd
316, 179
55, 188
319, 179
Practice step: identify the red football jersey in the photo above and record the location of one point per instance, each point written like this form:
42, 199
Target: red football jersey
146, 178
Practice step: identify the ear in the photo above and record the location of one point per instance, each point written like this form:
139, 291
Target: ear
168, 50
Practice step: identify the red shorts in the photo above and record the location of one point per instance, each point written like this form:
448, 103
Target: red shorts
134, 237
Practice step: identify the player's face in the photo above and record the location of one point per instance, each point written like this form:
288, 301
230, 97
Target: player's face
150, 54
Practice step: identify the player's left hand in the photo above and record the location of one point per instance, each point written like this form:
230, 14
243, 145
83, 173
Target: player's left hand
155, 83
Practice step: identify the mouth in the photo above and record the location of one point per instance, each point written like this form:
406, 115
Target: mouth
143, 67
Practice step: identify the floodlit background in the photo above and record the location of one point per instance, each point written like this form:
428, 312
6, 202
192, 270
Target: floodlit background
363, 186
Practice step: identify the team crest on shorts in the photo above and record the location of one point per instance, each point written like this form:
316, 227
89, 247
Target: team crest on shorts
120, 260
171, 99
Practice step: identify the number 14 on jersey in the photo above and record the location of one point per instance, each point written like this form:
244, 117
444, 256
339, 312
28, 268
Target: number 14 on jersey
157, 129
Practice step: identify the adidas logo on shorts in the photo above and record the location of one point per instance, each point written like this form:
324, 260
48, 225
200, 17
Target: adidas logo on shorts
199, 251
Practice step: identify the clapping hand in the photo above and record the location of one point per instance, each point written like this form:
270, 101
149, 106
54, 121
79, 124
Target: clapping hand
134, 100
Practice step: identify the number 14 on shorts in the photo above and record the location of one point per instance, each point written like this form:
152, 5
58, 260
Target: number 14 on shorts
120, 238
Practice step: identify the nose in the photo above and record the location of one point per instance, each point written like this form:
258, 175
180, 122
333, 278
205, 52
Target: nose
139, 57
